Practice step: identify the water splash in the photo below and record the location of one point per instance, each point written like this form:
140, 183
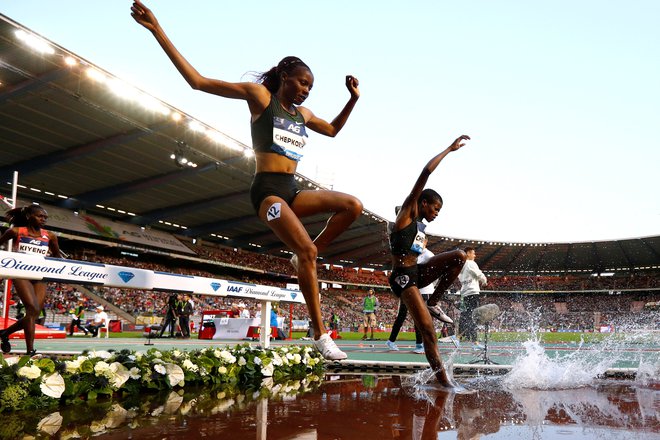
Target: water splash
535, 369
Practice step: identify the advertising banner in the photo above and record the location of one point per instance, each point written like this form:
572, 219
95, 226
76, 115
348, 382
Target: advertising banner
37, 267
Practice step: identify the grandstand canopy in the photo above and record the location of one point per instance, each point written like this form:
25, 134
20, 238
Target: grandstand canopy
82, 139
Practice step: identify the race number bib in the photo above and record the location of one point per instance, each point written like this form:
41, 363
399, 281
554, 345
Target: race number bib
288, 138
28, 245
419, 243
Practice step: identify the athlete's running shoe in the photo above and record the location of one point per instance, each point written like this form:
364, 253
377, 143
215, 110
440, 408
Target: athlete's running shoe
419, 349
329, 349
438, 313
392, 346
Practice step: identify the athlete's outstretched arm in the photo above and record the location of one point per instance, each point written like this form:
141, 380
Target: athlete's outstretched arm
332, 128
409, 207
256, 95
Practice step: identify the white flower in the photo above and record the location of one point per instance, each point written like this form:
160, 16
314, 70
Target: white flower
296, 358
174, 401
12, 360
72, 366
31, 372
97, 426
51, 423
174, 374
242, 361
222, 406
160, 369
188, 365
222, 370
134, 372
132, 357
176, 353
257, 360
115, 417
217, 353
119, 375
267, 383
267, 370
227, 357
101, 368
158, 354
139, 355
52, 385
101, 354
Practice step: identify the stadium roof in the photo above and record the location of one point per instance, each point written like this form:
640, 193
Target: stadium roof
81, 138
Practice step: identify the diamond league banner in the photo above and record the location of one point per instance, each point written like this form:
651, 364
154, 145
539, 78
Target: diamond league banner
38, 267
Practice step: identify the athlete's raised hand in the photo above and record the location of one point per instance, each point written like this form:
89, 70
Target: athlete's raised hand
352, 84
458, 143
143, 15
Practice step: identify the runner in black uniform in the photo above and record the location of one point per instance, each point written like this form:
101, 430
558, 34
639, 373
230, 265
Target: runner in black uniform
407, 241
278, 134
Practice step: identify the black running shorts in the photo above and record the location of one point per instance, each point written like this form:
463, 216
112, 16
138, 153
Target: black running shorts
282, 185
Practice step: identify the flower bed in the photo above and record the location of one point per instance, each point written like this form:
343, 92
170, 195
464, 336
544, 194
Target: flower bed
27, 383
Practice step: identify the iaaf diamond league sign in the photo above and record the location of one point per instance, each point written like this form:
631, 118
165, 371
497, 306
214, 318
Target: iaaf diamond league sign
38, 267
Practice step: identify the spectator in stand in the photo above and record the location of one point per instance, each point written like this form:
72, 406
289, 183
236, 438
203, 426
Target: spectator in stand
470, 277
28, 236
170, 317
278, 123
77, 315
243, 311
369, 307
98, 322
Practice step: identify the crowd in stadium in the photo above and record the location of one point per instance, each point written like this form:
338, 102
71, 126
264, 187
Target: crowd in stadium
571, 305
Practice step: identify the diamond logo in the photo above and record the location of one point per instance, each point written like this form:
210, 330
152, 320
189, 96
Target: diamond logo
215, 286
126, 276
293, 295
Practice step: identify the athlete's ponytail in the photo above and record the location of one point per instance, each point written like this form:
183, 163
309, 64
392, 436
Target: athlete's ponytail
271, 79
19, 216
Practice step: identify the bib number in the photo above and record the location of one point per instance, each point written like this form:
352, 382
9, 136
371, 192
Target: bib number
288, 138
